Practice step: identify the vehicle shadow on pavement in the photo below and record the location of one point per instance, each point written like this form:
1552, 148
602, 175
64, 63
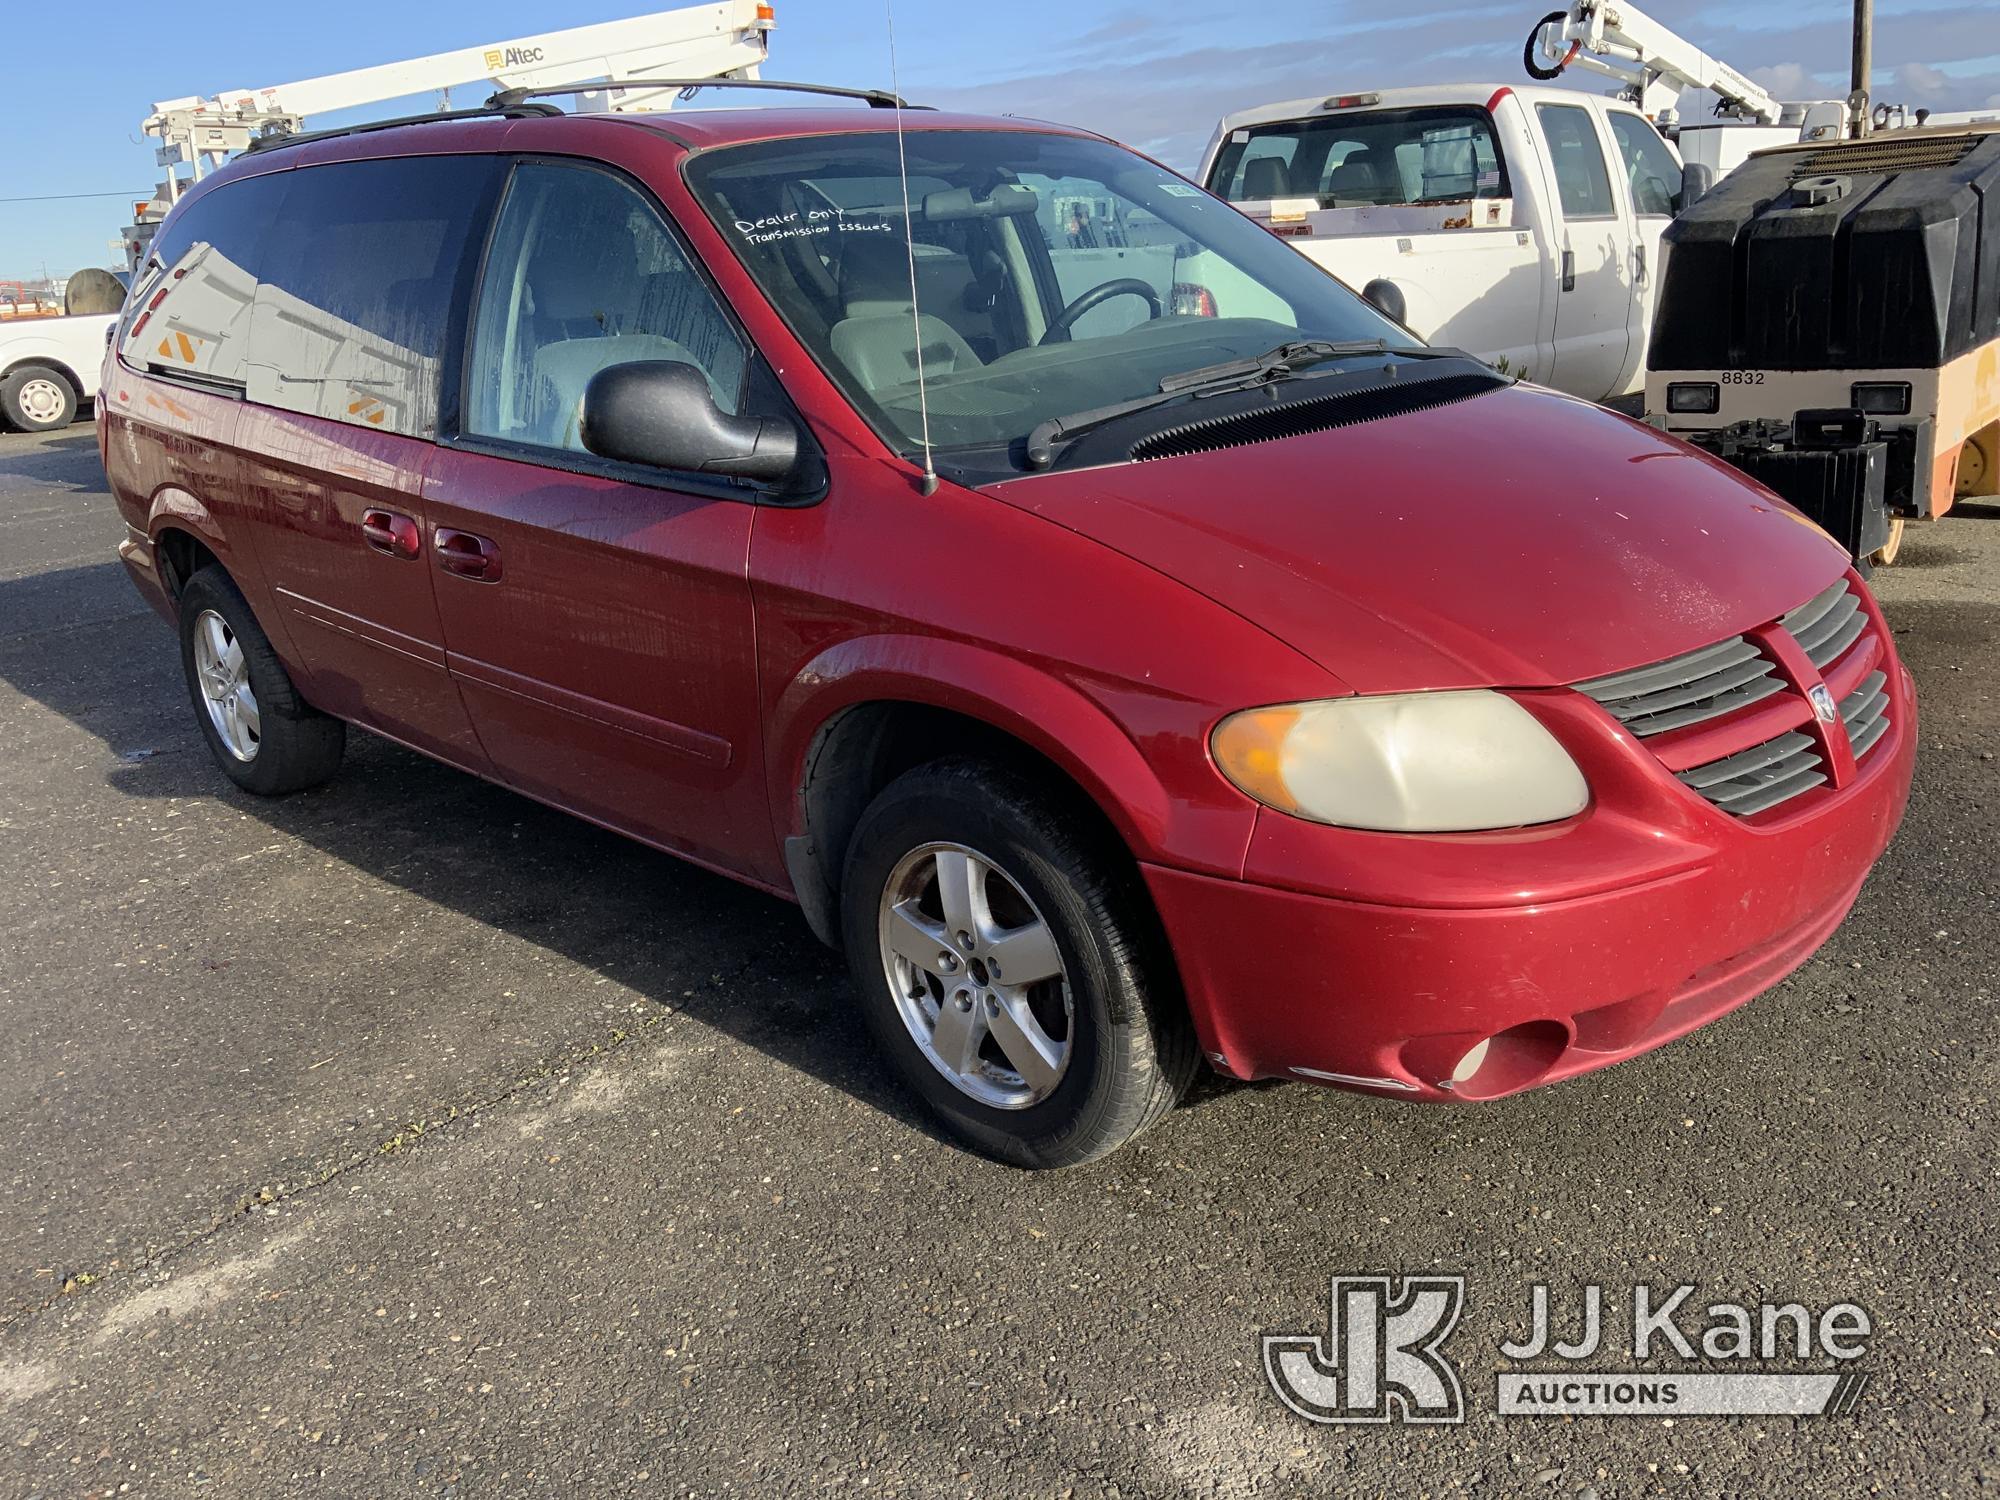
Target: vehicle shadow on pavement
51, 463
77, 642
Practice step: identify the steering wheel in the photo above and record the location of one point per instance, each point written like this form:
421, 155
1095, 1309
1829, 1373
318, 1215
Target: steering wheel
1123, 286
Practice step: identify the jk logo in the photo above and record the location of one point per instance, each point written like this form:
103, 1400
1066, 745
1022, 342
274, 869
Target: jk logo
1380, 1359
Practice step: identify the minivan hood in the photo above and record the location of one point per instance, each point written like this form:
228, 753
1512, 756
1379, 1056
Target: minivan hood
1520, 538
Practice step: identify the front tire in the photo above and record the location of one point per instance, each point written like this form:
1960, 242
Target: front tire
264, 736
1010, 966
35, 398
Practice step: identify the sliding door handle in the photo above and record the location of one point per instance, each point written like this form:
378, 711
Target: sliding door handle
391, 532
467, 555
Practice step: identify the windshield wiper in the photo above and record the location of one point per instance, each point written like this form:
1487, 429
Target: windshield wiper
1230, 375
1294, 355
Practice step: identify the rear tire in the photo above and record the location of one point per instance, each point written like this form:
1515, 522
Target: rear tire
1089, 1041
35, 398
264, 736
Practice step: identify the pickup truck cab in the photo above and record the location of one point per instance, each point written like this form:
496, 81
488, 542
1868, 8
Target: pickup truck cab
49, 368
1520, 224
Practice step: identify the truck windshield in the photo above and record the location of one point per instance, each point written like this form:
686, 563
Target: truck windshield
1053, 275
1361, 158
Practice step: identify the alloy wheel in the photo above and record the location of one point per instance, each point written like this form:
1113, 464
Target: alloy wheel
976, 975
225, 685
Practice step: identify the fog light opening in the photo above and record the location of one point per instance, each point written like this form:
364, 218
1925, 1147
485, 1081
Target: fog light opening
1472, 1062
1509, 1060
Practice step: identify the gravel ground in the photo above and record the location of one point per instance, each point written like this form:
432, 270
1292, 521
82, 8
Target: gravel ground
407, 1138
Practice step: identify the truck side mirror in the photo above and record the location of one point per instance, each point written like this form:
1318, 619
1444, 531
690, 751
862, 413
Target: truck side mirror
661, 412
1696, 179
1387, 298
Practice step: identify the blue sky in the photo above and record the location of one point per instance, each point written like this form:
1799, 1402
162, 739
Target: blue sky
1156, 74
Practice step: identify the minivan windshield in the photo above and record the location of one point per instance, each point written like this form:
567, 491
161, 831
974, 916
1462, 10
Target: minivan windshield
1053, 275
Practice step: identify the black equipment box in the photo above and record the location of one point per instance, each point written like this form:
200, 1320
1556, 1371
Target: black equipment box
1876, 254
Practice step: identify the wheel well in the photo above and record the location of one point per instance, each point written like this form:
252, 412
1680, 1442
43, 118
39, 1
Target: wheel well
181, 557
54, 366
861, 750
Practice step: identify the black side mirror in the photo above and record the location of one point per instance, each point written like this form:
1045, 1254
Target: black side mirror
660, 412
1696, 179
1387, 298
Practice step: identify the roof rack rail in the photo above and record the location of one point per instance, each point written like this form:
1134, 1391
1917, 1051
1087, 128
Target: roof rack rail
486, 111
874, 98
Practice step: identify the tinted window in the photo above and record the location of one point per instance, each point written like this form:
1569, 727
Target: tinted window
1371, 157
190, 314
1649, 166
1582, 182
584, 274
355, 307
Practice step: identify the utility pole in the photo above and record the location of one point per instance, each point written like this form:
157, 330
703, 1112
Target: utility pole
1864, 47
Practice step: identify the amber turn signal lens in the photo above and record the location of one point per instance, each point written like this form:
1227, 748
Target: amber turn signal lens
1250, 749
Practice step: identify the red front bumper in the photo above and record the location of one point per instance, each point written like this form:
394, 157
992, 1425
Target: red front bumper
1389, 957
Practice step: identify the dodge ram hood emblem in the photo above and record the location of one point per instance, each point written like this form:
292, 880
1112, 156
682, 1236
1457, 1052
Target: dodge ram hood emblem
1827, 711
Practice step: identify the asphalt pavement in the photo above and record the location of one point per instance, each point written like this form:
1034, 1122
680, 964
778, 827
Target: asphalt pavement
407, 1138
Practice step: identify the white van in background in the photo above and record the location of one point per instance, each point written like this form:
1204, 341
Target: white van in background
1521, 224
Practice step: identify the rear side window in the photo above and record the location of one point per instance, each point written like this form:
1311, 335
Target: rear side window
1582, 182
189, 314
1649, 166
355, 308
584, 274
1358, 158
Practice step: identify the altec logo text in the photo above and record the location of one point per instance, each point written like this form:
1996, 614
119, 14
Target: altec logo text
499, 59
1383, 1359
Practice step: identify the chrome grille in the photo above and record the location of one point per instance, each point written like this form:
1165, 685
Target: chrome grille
1865, 711
1688, 689
1761, 777
1716, 681
1827, 624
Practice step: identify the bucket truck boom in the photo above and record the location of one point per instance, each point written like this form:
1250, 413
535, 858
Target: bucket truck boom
728, 39
1655, 65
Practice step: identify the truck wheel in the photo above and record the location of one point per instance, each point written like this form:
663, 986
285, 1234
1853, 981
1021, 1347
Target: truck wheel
1010, 968
35, 398
266, 738
1885, 554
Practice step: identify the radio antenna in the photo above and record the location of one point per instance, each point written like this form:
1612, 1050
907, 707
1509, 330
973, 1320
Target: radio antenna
928, 485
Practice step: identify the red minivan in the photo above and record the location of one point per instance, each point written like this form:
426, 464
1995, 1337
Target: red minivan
1127, 644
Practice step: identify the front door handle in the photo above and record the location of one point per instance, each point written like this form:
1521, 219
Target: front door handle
391, 532
1569, 271
469, 556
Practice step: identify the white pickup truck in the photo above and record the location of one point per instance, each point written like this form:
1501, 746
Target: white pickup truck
1521, 224
49, 367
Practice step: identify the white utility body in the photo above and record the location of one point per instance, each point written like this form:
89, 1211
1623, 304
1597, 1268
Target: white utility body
1521, 224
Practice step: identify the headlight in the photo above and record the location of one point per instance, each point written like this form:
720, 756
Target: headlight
1403, 763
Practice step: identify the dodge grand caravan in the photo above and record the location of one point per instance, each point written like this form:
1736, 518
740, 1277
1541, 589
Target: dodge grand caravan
1187, 666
